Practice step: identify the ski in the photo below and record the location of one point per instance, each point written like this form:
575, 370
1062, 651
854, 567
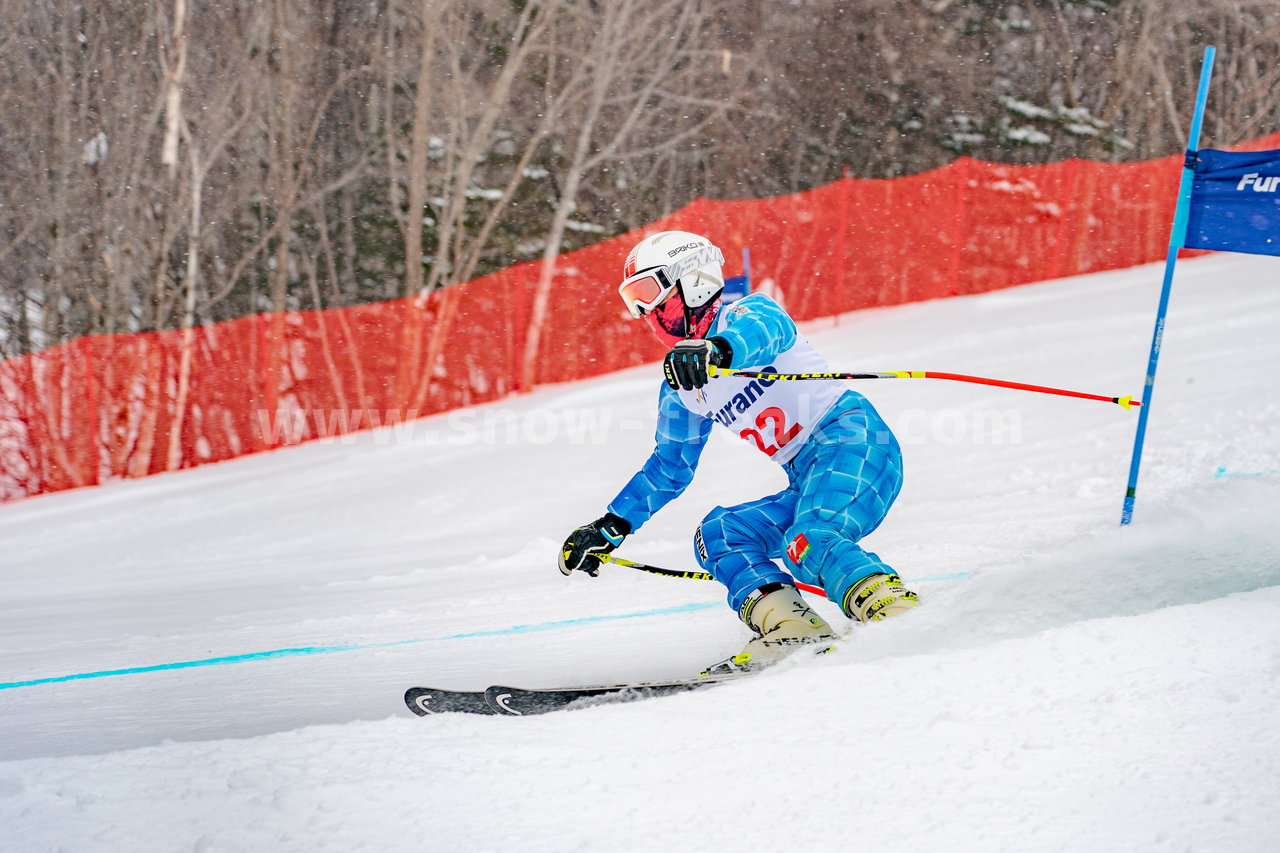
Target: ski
424, 701
522, 701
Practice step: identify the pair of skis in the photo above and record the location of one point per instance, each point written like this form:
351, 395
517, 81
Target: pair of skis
500, 700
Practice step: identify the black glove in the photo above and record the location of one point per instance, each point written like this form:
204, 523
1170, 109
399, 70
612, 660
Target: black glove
685, 366
599, 537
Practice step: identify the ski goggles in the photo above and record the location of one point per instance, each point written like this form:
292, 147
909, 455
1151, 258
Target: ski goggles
649, 288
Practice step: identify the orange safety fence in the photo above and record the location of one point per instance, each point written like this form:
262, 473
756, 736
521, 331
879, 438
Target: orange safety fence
105, 407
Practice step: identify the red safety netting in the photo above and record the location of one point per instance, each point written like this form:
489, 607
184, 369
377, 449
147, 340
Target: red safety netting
106, 407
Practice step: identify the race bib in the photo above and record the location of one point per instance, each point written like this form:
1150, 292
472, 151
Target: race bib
776, 416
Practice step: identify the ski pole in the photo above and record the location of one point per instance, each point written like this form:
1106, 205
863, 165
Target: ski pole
1127, 402
680, 573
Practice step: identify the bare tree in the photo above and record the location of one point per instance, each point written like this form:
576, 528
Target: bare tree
206, 144
463, 105
621, 82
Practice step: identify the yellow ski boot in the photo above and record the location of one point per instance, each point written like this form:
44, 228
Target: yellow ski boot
877, 597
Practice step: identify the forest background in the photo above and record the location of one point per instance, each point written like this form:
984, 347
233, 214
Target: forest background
176, 163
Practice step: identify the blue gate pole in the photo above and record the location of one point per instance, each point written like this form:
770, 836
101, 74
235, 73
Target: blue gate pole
1177, 237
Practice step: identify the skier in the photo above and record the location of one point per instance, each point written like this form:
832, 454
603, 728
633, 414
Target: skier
843, 464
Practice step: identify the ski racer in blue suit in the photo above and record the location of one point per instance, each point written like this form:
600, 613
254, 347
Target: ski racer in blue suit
843, 464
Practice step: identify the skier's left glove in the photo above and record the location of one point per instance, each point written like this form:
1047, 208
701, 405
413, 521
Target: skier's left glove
599, 537
685, 366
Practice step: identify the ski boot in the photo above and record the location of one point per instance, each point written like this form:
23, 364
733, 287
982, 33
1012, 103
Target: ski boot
783, 622
877, 597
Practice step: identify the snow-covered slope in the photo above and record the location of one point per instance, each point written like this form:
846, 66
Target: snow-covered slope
1067, 685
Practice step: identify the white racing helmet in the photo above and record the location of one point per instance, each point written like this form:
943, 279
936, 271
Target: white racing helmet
670, 260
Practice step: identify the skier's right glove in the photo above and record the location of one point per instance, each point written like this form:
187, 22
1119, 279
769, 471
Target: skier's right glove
599, 537
685, 366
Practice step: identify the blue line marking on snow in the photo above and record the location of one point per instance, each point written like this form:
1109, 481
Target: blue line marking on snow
302, 651
353, 647
1223, 472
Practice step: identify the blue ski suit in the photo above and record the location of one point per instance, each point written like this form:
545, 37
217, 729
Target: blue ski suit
843, 464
